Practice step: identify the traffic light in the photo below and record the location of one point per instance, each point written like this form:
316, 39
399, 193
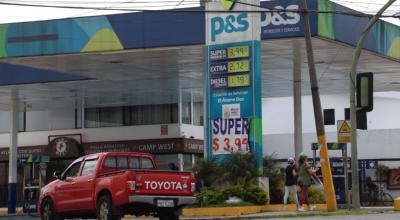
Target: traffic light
364, 90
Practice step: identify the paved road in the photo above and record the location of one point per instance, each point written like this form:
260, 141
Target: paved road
350, 217
383, 216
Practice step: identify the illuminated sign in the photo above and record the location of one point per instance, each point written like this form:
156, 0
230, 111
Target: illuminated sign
238, 81
238, 66
238, 52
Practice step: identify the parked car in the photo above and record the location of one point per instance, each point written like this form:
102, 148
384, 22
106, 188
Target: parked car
110, 185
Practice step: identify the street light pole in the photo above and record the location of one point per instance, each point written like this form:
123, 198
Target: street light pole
324, 156
353, 120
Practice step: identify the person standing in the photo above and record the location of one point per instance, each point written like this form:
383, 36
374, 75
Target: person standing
304, 180
290, 183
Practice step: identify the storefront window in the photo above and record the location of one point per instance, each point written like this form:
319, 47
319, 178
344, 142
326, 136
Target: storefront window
52, 119
164, 159
131, 115
198, 113
111, 117
187, 162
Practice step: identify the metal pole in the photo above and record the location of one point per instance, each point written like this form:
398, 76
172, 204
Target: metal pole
353, 120
324, 156
12, 167
298, 131
314, 158
346, 177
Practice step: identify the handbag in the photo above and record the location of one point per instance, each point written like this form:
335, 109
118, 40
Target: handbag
316, 182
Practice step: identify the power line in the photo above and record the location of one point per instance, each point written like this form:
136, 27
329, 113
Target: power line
266, 10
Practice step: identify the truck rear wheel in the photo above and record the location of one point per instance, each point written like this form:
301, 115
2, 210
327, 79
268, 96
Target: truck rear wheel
168, 214
105, 209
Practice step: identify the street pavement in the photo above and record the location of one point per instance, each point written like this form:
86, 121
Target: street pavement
267, 215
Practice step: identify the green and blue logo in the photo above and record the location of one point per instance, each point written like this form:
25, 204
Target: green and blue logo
227, 4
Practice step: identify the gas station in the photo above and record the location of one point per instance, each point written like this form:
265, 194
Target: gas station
160, 58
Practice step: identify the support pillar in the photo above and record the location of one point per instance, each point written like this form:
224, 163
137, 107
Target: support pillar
180, 162
298, 130
12, 167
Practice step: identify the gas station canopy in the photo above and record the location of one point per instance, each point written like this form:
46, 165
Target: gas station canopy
149, 57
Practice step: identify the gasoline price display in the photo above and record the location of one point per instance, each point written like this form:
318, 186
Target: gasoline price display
238, 52
238, 80
238, 66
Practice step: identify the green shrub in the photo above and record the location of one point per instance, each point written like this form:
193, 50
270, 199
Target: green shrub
316, 195
276, 190
251, 194
209, 197
233, 190
256, 195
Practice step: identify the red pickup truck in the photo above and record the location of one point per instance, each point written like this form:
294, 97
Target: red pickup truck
109, 185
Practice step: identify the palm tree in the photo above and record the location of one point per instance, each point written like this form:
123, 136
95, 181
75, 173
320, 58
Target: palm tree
208, 171
241, 168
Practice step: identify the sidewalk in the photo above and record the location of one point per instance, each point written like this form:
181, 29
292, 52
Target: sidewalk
288, 214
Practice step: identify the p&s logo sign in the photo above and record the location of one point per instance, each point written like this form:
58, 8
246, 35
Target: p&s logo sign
228, 26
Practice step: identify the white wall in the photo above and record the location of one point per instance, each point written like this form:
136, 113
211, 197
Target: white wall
381, 140
372, 144
188, 131
278, 113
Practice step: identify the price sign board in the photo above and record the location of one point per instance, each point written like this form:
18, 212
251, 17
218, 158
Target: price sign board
233, 81
233, 78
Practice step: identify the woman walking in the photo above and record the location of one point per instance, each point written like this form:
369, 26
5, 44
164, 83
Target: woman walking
305, 173
290, 183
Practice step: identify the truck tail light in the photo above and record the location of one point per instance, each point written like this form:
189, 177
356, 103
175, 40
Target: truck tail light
193, 187
132, 185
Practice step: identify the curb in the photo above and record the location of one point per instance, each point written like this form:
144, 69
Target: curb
242, 210
397, 204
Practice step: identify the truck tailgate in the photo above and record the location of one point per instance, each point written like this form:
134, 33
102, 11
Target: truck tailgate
160, 182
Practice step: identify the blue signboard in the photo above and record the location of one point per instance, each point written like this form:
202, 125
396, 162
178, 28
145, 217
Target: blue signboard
233, 74
288, 22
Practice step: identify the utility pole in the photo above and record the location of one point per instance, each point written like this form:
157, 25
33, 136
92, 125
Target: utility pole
324, 157
353, 116
298, 130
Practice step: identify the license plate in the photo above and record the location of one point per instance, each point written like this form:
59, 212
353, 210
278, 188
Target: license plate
165, 203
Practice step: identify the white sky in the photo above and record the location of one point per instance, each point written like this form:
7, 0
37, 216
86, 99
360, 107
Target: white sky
12, 14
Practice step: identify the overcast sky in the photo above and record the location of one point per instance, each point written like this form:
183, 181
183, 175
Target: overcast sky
12, 14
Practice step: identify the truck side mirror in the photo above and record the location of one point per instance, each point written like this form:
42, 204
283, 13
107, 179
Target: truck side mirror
57, 174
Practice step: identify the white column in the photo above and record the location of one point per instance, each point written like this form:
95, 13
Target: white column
191, 108
180, 161
180, 107
12, 167
298, 131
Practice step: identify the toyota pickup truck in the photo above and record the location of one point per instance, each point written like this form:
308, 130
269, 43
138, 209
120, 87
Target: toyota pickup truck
110, 185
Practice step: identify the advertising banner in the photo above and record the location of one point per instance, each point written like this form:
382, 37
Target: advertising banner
233, 80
